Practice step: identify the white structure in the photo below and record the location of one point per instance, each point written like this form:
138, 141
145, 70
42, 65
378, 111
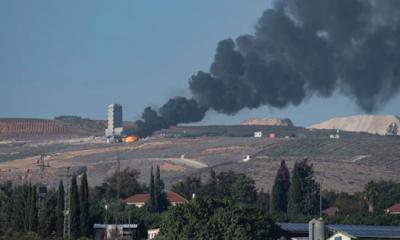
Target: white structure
258, 134
152, 233
246, 158
114, 117
342, 236
111, 231
335, 136
317, 229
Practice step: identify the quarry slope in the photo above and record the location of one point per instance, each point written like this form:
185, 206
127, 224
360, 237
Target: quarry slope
374, 124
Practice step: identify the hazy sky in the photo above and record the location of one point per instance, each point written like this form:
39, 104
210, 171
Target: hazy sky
75, 57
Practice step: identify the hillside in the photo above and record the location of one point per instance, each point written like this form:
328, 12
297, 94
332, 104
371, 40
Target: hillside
268, 121
345, 164
374, 124
60, 126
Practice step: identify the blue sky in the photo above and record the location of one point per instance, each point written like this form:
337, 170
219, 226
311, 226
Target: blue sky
75, 57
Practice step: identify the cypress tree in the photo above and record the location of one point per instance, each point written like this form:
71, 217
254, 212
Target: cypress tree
17, 209
27, 207
295, 193
60, 210
161, 198
157, 190
6, 206
84, 218
47, 217
280, 189
304, 191
152, 192
33, 214
74, 210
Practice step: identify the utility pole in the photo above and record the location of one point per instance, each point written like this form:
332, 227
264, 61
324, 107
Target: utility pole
118, 175
42, 189
67, 205
118, 182
320, 200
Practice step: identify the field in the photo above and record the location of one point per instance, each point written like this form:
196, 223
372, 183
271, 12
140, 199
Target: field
344, 164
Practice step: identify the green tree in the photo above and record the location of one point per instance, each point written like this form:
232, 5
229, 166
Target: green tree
158, 200
60, 210
214, 219
388, 193
303, 196
33, 210
152, 201
371, 196
27, 207
280, 189
47, 217
161, 201
84, 204
6, 190
17, 209
230, 186
129, 184
187, 187
295, 192
74, 210
263, 201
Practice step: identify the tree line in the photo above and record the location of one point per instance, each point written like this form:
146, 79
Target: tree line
21, 213
225, 205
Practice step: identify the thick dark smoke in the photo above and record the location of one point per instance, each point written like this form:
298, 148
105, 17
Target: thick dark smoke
300, 49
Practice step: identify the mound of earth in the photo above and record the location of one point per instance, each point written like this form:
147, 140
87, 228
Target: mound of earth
375, 124
268, 121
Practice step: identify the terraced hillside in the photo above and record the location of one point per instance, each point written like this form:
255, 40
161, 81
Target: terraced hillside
61, 126
16, 126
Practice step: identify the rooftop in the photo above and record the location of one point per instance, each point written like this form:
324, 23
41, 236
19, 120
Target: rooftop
394, 209
144, 197
362, 231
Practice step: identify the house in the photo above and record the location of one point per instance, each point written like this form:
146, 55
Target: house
395, 209
330, 211
111, 231
139, 200
152, 233
258, 134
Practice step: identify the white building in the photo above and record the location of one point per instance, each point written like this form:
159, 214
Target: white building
113, 231
114, 117
152, 233
342, 236
258, 134
246, 158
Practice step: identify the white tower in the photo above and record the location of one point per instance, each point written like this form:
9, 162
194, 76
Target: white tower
114, 116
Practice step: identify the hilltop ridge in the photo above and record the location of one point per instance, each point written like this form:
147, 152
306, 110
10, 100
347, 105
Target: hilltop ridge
374, 124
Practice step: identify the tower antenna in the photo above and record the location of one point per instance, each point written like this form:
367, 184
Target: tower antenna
67, 205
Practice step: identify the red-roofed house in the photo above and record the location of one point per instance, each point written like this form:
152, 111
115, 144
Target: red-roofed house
395, 209
140, 199
331, 211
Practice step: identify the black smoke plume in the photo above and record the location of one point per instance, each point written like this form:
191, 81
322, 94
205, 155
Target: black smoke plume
300, 49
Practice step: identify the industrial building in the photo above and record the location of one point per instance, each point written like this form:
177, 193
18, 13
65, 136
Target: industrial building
116, 132
114, 117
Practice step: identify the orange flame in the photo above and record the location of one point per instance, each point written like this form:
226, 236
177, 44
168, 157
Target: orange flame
131, 139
